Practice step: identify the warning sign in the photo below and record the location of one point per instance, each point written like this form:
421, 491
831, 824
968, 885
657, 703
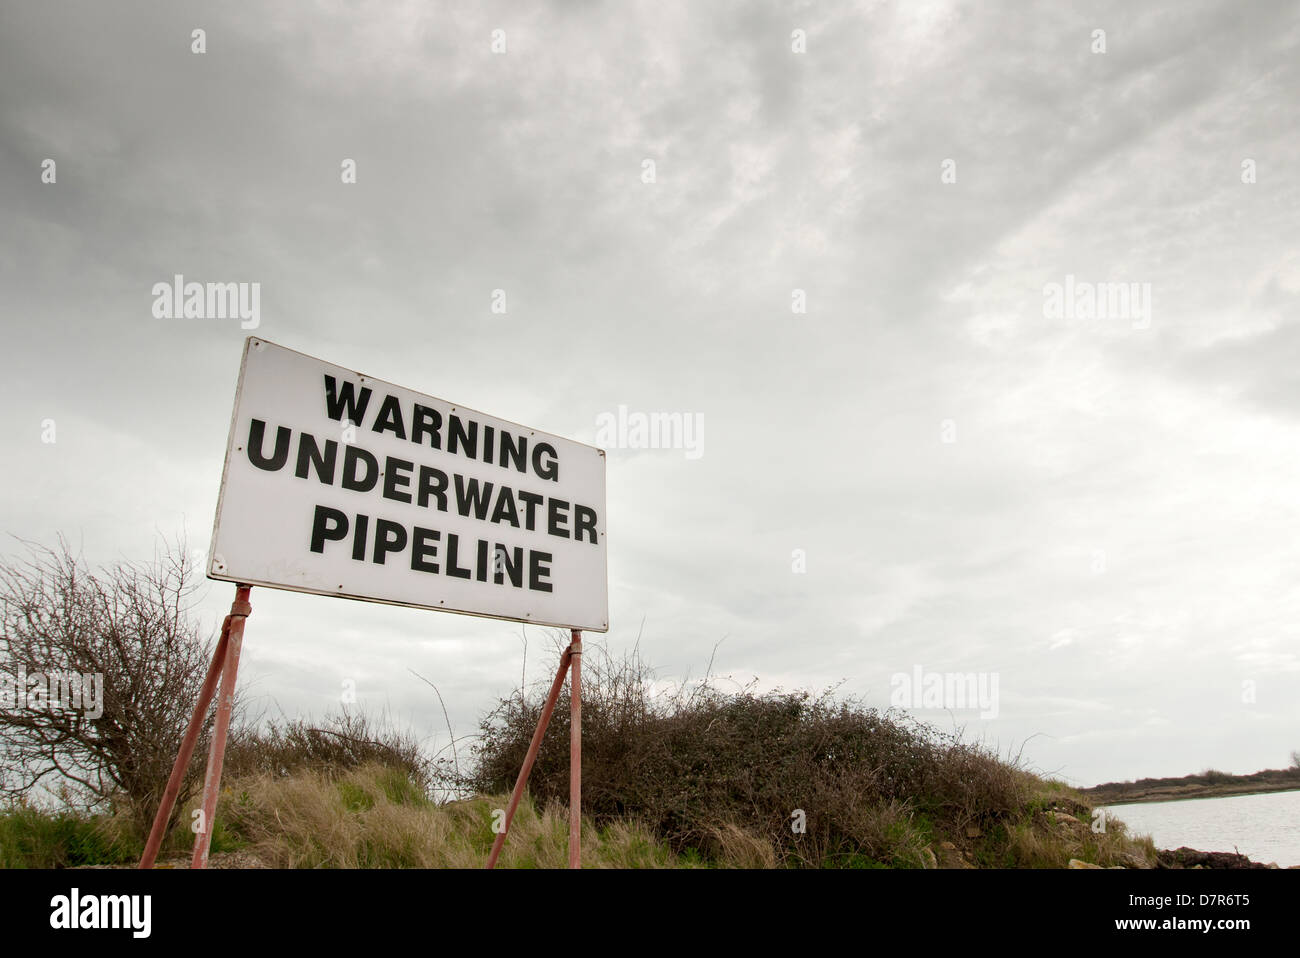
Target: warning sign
341, 484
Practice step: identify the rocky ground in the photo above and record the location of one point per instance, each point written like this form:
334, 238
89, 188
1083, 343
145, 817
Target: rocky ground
1191, 858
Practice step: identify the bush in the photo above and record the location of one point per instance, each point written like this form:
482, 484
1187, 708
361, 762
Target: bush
340, 743
31, 837
701, 767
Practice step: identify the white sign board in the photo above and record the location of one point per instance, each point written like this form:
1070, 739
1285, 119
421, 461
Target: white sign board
341, 484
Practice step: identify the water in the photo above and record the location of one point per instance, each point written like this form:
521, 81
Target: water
1265, 828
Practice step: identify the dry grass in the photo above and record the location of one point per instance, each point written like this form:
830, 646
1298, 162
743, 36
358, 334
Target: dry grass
372, 817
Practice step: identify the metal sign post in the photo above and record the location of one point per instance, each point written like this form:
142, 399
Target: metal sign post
575, 750
225, 665
571, 659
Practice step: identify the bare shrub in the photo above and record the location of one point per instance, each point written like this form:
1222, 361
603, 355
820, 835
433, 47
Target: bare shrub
129, 623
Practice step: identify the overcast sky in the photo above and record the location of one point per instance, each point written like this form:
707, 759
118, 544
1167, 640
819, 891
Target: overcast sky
1103, 513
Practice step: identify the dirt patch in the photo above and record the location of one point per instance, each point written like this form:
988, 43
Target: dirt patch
240, 859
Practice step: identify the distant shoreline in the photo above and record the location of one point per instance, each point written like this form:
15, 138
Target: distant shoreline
1207, 785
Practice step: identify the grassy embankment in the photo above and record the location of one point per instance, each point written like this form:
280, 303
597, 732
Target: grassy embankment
697, 778
375, 817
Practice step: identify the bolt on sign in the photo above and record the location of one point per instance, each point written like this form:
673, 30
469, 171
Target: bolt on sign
341, 484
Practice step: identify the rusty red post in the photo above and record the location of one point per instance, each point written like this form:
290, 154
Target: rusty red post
531, 757
187, 749
575, 750
225, 702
